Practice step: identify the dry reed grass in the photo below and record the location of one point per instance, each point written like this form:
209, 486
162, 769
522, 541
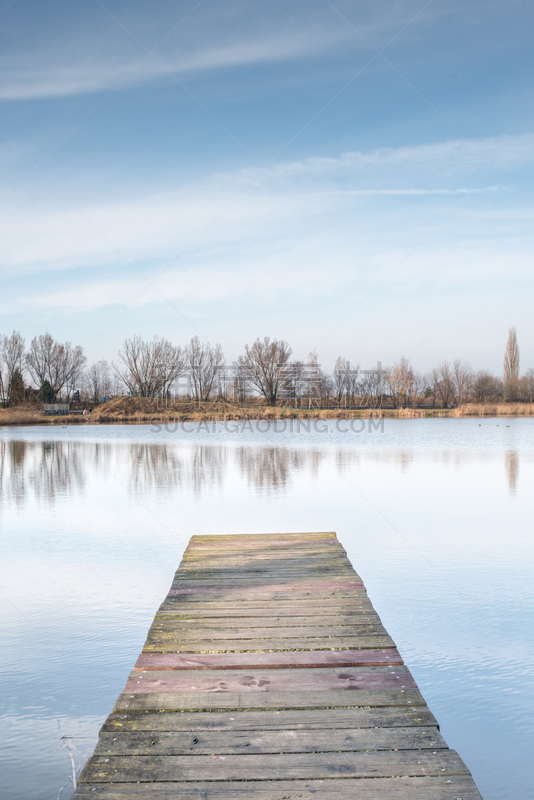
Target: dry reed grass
494, 410
20, 416
139, 410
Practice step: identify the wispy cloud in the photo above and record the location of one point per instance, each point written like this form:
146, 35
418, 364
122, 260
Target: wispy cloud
414, 192
74, 74
229, 211
451, 157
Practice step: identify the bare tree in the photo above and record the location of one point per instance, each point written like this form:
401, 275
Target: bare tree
239, 383
265, 366
527, 385
372, 385
314, 380
148, 368
487, 388
340, 379
98, 380
320, 383
12, 354
446, 383
59, 365
295, 381
511, 366
401, 382
205, 362
463, 380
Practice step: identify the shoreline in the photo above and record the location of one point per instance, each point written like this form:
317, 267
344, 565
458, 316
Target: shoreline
124, 416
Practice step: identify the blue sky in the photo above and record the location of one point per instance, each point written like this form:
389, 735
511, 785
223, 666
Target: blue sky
354, 177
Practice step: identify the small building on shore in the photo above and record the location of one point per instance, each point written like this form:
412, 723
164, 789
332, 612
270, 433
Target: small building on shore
56, 409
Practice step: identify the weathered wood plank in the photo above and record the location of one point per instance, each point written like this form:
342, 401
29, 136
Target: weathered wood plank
266, 558
271, 645
215, 596
312, 658
147, 743
318, 573
250, 576
257, 621
420, 788
184, 633
293, 607
251, 539
371, 764
183, 622
265, 588
302, 719
205, 701
262, 680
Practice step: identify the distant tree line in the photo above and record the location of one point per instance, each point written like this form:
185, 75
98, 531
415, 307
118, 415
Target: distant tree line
49, 371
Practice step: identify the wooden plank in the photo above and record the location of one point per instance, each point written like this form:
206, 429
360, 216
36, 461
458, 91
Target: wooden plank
292, 607
302, 719
265, 551
313, 658
248, 541
420, 788
265, 558
267, 588
262, 680
272, 645
246, 538
371, 764
266, 555
205, 701
251, 575
299, 608
253, 569
183, 633
183, 622
175, 743
217, 594
263, 614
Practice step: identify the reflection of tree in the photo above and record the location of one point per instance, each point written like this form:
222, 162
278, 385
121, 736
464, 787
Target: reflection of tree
270, 467
153, 467
158, 467
511, 465
46, 470
208, 467
42, 469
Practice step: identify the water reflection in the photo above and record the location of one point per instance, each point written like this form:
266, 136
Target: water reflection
46, 470
270, 468
153, 467
43, 470
511, 465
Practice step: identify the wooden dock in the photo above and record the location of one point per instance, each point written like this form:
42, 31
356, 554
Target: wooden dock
268, 675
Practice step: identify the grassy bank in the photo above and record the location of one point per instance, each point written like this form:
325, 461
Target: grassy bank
139, 410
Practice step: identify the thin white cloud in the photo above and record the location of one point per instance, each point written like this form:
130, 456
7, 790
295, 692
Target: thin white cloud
79, 75
414, 192
454, 156
213, 215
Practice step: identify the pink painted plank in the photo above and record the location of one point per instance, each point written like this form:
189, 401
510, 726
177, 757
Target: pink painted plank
317, 658
267, 588
286, 680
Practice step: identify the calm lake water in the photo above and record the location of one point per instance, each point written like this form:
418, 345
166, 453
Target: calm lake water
436, 515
